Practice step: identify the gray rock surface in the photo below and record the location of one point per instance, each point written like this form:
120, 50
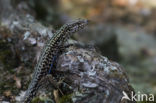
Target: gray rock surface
91, 77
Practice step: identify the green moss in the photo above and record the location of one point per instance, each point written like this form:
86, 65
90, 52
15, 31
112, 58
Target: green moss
42, 100
66, 99
36, 100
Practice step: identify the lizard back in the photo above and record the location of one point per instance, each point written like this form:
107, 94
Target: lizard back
49, 51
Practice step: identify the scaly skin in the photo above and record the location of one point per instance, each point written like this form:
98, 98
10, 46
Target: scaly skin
49, 53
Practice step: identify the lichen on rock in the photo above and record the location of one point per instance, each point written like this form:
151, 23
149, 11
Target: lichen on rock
91, 77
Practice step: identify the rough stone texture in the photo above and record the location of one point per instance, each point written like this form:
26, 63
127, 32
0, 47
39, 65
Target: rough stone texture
25, 32
92, 77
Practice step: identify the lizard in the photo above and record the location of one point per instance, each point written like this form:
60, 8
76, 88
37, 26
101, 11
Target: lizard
50, 53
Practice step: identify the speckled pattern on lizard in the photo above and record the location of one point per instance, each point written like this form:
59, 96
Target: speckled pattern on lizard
49, 54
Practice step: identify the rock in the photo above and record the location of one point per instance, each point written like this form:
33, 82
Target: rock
91, 77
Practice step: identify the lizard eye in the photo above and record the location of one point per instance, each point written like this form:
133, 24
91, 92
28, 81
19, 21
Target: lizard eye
75, 26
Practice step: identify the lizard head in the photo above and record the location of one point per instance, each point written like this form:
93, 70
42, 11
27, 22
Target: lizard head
70, 28
75, 25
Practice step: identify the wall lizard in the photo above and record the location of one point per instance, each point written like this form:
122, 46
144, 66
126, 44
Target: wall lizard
49, 54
